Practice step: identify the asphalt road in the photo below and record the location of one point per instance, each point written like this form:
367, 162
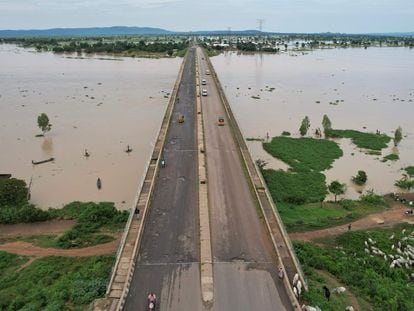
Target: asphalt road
168, 261
245, 271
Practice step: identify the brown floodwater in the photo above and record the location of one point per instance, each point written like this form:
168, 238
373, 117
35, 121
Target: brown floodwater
359, 89
101, 105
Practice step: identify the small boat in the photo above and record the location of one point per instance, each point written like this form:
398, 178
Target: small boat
128, 149
43, 161
99, 183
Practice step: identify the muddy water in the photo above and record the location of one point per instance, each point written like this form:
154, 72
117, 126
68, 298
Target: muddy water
366, 90
94, 104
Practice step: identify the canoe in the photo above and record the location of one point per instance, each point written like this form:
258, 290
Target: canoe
43, 161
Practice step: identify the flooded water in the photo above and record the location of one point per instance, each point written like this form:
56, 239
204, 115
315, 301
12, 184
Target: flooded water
366, 90
101, 105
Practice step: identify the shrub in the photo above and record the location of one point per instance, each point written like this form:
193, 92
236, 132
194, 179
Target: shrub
360, 178
13, 192
371, 198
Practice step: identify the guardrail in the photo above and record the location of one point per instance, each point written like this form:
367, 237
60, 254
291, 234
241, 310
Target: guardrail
259, 184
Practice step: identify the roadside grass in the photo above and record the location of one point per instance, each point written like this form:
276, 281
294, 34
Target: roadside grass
304, 153
370, 141
311, 216
315, 295
52, 283
295, 188
369, 277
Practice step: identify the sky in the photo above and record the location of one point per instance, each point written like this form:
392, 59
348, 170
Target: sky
351, 16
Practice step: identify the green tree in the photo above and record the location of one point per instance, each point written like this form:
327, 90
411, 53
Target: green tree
13, 192
304, 127
327, 125
336, 188
397, 136
360, 178
43, 123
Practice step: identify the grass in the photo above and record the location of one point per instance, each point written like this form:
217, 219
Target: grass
410, 170
296, 188
391, 157
315, 296
311, 216
52, 283
304, 153
369, 277
361, 139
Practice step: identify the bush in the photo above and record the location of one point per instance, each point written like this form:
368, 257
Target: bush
25, 214
360, 178
371, 198
13, 192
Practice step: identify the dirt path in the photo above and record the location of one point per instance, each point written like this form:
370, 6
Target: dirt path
389, 217
36, 228
28, 249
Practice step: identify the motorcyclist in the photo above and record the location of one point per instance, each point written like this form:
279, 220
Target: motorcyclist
152, 299
163, 163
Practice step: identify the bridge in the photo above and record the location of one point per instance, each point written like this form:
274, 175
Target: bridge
204, 233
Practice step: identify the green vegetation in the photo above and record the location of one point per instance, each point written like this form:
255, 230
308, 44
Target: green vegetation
410, 170
307, 157
362, 140
360, 178
326, 123
336, 188
313, 216
397, 136
13, 192
286, 133
254, 139
304, 126
315, 296
405, 183
130, 46
368, 276
52, 283
43, 123
391, 157
304, 154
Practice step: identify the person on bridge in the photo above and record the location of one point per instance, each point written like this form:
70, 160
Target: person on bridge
152, 298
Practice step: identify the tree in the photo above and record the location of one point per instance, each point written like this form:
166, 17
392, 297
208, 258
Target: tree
13, 192
304, 127
43, 123
360, 178
397, 136
327, 125
337, 188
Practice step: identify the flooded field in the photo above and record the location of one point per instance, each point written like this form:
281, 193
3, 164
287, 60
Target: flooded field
101, 105
359, 89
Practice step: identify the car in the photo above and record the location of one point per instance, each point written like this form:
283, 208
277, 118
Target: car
203, 82
220, 121
207, 72
204, 92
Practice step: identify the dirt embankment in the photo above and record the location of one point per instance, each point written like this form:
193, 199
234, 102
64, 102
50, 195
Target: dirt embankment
390, 217
52, 227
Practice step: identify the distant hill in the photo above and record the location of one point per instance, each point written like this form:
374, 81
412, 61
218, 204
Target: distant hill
125, 31
89, 32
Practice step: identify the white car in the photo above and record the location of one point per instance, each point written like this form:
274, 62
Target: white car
207, 72
204, 92
203, 82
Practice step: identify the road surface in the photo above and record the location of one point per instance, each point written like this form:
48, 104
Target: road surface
168, 258
245, 273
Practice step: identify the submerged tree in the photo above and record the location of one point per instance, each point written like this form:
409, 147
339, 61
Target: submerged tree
304, 127
327, 125
43, 123
337, 188
360, 178
397, 136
